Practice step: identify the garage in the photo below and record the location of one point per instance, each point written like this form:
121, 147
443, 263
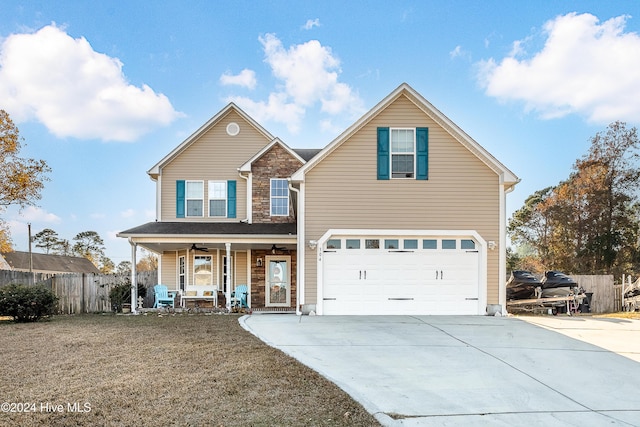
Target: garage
389, 275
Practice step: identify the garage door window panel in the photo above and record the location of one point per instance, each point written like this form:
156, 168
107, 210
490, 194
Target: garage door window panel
467, 244
410, 244
429, 244
391, 244
372, 244
449, 244
353, 243
334, 244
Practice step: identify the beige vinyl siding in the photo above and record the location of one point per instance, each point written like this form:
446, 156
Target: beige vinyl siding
169, 265
214, 156
461, 193
240, 268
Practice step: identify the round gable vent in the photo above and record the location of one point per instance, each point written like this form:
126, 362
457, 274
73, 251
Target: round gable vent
233, 129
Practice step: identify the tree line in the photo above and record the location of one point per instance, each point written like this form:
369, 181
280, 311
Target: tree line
89, 244
21, 183
588, 223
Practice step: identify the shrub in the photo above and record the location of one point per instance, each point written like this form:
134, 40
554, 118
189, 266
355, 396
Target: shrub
121, 294
27, 303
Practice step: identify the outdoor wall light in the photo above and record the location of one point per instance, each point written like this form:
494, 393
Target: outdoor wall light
259, 262
313, 244
492, 245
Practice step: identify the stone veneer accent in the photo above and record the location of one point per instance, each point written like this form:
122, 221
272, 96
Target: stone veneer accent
258, 291
275, 163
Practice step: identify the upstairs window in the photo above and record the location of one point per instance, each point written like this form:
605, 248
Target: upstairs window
403, 150
195, 198
279, 197
218, 198
403, 153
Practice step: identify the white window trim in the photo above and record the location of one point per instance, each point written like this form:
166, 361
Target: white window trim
186, 199
271, 197
182, 274
391, 153
226, 197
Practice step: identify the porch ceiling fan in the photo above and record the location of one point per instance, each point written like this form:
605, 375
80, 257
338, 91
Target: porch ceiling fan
275, 248
196, 248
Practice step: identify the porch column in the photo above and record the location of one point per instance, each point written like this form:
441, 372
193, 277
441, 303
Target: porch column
134, 279
228, 282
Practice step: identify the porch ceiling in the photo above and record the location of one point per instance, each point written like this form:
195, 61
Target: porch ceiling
173, 236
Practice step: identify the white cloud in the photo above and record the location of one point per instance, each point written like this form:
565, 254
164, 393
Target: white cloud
311, 23
128, 213
74, 91
246, 78
309, 75
458, 52
584, 67
276, 109
38, 217
35, 214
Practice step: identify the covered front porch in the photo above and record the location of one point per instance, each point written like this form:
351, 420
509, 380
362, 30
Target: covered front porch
205, 264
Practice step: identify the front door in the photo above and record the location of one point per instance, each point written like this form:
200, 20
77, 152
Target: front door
278, 281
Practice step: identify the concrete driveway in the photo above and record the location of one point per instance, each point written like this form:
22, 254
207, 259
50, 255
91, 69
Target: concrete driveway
471, 370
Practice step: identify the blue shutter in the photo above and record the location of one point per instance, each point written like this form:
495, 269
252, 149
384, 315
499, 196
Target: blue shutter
422, 153
383, 153
180, 198
231, 199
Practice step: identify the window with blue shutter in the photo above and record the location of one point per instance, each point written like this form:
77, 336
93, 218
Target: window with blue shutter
422, 153
383, 153
231, 199
180, 196
403, 153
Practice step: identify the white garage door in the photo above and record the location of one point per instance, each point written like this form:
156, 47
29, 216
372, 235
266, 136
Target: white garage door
400, 276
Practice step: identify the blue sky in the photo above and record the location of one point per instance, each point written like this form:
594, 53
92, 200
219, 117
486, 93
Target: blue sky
103, 90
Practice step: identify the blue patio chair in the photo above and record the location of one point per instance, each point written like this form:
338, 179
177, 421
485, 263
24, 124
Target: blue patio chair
163, 297
239, 297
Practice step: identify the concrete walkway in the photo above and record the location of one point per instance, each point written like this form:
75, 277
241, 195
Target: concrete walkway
471, 370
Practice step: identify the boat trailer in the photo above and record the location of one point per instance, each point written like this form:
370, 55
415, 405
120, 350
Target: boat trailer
569, 304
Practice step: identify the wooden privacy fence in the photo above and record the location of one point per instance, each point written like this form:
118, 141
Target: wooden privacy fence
603, 289
79, 292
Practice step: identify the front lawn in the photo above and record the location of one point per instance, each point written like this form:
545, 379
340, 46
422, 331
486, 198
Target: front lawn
152, 371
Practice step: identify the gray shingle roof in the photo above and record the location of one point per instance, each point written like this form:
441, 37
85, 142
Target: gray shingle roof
50, 263
307, 153
209, 228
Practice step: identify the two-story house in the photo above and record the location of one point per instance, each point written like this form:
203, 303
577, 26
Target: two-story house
403, 213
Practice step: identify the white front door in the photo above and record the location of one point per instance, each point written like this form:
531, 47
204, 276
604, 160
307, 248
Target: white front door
278, 281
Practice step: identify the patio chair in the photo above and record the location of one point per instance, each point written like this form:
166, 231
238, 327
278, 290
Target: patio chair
239, 297
163, 297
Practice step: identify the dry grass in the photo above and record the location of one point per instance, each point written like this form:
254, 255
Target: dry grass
621, 315
171, 370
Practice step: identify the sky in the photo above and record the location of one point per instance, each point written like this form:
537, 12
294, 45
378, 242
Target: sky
103, 90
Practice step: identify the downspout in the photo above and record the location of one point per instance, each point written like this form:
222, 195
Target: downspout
249, 202
300, 253
134, 278
502, 260
228, 278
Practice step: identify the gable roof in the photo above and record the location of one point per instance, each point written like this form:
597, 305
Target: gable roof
246, 167
155, 170
307, 153
506, 176
18, 260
